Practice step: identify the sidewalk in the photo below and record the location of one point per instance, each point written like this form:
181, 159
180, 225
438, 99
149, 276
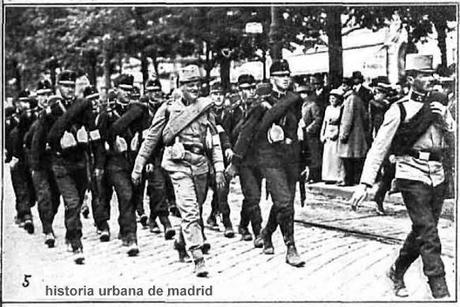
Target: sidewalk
332, 190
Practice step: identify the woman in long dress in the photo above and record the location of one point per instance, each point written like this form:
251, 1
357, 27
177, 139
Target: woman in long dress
333, 171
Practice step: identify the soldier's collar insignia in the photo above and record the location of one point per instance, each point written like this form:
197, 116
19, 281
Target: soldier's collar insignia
419, 97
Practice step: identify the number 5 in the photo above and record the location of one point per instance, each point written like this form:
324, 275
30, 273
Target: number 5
26, 282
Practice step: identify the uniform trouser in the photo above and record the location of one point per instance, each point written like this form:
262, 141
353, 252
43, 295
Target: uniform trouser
138, 196
48, 195
424, 205
251, 182
281, 184
71, 178
353, 169
100, 201
120, 179
190, 191
156, 189
219, 201
170, 196
384, 186
23, 189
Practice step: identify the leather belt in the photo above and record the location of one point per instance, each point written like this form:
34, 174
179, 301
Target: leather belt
194, 149
424, 155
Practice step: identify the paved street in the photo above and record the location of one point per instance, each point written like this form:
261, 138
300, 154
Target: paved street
340, 265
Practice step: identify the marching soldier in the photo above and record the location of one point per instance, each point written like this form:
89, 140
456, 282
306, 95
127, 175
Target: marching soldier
415, 130
68, 141
219, 203
121, 132
20, 171
155, 175
272, 129
186, 128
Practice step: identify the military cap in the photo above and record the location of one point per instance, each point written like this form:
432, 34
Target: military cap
263, 89
24, 95
280, 68
44, 87
246, 81
136, 93
216, 87
153, 85
189, 73
67, 77
304, 88
90, 92
124, 81
356, 76
347, 81
9, 111
419, 62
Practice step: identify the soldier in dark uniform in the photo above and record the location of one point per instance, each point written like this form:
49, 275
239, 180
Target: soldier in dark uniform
20, 172
250, 176
122, 130
11, 121
156, 177
219, 203
415, 129
272, 129
68, 140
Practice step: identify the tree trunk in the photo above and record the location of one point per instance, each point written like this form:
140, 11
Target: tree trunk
107, 71
334, 34
144, 69
441, 27
225, 73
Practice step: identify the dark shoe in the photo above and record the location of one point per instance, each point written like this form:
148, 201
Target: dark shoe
267, 243
258, 242
50, 239
169, 231
293, 258
143, 220
228, 232
85, 211
200, 268
78, 256
133, 249
205, 248
183, 256
438, 287
104, 235
380, 210
174, 211
245, 234
29, 226
399, 288
212, 223
153, 226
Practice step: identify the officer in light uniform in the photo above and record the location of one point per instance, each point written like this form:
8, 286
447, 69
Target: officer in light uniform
415, 129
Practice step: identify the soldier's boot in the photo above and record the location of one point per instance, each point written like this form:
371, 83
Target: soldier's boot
169, 230
243, 226
50, 239
104, 236
211, 221
438, 287
143, 220
228, 232
29, 225
267, 242
153, 226
397, 277
256, 223
183, 255
292, 256
133, 249
77, 251
206, 245
200, 266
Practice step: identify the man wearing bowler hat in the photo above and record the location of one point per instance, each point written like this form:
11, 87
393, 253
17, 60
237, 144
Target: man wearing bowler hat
414, 130
272, 129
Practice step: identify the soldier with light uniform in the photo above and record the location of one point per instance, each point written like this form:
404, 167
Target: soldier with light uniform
415, 130
187, 130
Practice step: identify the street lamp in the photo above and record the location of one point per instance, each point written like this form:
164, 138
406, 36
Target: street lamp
254, 29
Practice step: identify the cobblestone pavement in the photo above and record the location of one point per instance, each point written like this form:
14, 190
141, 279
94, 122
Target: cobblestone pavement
340, 266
